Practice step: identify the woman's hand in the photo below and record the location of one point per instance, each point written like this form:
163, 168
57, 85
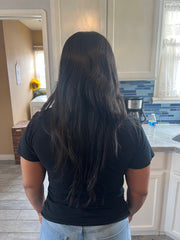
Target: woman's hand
40, 217
130, 218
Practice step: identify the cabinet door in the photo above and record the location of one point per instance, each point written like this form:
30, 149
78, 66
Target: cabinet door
173, 207
175, 226
147, 219
132, 32
80, 15
70, 16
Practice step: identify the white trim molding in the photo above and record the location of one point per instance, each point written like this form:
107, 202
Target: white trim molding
56, 40
16, 14
166, 100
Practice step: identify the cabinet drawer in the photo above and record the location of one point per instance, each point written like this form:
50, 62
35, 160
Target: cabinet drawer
17, 132
159, 161
176, 162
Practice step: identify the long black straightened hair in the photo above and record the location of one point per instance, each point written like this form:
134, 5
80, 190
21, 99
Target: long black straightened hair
87, 111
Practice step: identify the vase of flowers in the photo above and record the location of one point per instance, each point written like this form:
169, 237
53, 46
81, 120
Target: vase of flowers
35, 84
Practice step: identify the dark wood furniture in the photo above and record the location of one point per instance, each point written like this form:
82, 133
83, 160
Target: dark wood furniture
17, 131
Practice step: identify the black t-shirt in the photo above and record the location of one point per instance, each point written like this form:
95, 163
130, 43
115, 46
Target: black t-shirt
136, 153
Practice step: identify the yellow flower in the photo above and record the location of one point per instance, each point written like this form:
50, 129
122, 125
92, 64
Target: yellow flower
35, 84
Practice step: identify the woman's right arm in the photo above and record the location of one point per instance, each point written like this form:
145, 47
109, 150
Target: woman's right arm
137, 182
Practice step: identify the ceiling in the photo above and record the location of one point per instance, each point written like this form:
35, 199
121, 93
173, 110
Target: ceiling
33, 24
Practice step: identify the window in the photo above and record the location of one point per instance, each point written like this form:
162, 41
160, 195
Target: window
167, 86
40, 67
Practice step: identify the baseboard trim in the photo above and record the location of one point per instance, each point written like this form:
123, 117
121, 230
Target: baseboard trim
7, 157
144, 232
173, 236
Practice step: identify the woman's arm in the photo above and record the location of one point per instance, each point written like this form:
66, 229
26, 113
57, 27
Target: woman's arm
33, 177
137, 181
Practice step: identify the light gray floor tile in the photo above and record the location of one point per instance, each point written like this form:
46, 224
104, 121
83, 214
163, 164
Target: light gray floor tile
9, 175
23, 236
8, 162
4, 188
19, 226
13, 196
28, 215
164, 238
15, 205
3, 236
158, 237
9, 181
10, 169
16, 188
9, 214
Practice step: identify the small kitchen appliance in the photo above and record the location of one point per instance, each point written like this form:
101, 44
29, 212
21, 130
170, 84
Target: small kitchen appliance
134, 107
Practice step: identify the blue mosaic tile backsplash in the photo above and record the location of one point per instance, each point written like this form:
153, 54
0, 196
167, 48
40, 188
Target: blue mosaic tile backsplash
165, 113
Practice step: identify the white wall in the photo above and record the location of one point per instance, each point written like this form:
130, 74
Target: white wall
19, 51
35, 4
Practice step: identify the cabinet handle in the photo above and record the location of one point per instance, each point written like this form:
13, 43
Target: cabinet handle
18, 130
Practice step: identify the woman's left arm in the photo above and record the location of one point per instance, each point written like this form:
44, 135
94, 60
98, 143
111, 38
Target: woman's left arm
33, 174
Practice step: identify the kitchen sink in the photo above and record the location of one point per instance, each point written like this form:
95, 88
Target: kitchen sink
177, 138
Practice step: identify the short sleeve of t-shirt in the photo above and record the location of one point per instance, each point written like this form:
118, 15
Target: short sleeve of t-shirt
25, 147
143, 152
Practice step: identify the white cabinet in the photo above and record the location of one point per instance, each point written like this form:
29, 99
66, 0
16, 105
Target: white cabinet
174, 216
160, 213
131, 27
147, 219
172, 223
81, 15
70, 16
133, 33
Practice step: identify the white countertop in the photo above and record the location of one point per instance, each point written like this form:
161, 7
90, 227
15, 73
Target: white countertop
41, 98
160, 137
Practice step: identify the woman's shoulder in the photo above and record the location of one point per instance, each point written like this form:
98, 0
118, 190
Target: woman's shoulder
40, 119
130, 124
41, 115
130, 130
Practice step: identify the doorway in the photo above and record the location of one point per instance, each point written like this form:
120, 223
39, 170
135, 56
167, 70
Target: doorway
10, 118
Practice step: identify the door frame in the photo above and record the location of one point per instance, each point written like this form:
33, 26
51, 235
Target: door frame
18, 14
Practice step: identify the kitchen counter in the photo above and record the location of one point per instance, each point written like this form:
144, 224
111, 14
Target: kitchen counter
160, 137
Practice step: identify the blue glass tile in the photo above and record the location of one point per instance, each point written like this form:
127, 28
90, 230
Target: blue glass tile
141, 86
165, 105
157, 105
165, 121
173, 109
165, 113
148, 104
175, 121
173, 105
130, 91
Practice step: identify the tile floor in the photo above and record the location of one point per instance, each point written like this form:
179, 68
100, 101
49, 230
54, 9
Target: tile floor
18, 220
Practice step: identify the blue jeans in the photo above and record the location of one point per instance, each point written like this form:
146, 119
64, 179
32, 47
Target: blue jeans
115, 231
